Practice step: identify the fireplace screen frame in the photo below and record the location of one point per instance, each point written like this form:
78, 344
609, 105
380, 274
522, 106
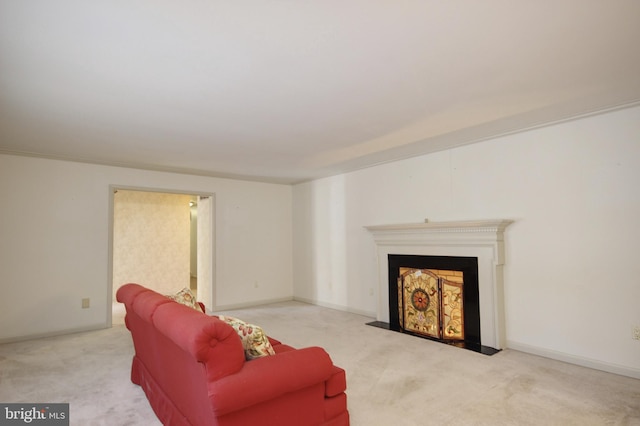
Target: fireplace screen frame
431, 302
471, 298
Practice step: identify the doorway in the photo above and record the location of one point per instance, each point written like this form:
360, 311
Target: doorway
161, 239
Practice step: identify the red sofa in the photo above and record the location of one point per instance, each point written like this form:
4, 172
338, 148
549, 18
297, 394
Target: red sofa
193, 370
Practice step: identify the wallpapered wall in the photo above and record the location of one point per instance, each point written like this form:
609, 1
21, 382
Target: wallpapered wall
151, 240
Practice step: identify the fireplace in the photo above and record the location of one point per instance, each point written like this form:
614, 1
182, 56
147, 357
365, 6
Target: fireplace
436, 297
417, 246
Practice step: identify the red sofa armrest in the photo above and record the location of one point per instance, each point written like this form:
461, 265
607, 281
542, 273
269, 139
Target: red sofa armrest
337, 383
268, 377
205, 338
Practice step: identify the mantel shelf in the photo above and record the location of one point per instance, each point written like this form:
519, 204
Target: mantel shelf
455, 226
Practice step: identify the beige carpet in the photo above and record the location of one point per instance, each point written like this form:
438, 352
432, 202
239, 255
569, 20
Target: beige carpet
392, 379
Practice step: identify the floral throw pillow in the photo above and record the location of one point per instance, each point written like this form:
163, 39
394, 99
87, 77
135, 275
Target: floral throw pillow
254, 340
186, 297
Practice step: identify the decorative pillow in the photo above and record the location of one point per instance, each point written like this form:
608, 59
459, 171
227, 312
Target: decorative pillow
186, 297
254, 340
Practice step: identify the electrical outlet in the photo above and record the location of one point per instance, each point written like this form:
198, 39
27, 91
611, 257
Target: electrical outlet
85, 303
635, 332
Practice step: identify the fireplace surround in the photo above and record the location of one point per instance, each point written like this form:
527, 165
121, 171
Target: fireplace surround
436, 297
481, 239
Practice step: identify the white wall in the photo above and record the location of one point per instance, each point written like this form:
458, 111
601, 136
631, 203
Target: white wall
571, 273
54, 237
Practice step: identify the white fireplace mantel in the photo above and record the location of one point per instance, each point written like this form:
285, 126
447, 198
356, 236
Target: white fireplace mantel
483, 239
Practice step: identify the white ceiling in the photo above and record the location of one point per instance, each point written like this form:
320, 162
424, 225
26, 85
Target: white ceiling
286, 91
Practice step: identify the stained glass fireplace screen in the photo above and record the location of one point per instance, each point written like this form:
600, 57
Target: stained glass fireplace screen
430, 302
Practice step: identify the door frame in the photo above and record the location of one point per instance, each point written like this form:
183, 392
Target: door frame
112, 190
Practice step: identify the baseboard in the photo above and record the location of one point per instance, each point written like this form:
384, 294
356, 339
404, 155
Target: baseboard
232, 306
53, 333
336, 307
577, 360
